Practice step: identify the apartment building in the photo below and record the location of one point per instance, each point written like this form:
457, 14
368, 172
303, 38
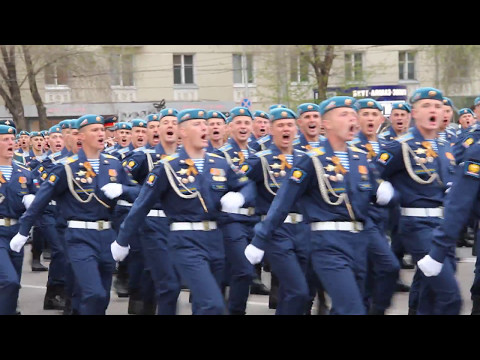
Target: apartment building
132, 81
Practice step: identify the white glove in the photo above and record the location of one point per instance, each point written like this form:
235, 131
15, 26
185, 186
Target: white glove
254, 254
232, 201
27, 200
112, 190
119, 253
384, 193
449, 185
17, 242
429, 266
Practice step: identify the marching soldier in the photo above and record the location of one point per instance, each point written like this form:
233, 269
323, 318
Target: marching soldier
90, 178
445, 132
309, 122
400, 121
289, 250
382, 265
152, 244
334, 186
237, 223
260, 138
16, 194
193, 186
217, 125
420, 167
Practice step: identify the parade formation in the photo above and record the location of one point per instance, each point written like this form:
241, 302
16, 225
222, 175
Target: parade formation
207, 202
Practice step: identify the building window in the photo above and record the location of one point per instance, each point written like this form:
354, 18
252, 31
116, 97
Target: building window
354, 66
121, 70
56, 74
243, 69
406, 65
182, 69
298, 69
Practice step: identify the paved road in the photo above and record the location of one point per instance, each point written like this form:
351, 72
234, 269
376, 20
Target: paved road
33, 291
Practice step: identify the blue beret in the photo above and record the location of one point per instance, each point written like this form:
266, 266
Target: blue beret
168, 112
8, 123
24, 132
73, 124
239, 111
477, 101
89, 119
65, 124
275, 106
368, 104
139, 123
401, 106
35, 133
44, 132
123, 126
55, 129
307, 107
191, 114
426, 93
466, 111
216, 114
153, 117
260, 113
337, 102
282, 113
7, 130
447, 101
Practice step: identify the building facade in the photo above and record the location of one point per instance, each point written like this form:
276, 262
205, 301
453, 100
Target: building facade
132, 81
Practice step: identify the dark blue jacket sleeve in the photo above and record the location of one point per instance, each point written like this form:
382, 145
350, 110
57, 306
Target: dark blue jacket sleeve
290, 191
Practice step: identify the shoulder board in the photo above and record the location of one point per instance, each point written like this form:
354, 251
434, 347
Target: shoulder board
124, 150
316, 152
141, 148
405, 137
169, 158
296, 142
21, 166
54, 155
249, 139
225, 147
354, 141
68, 160
450, 131
459, 131
215, 155
441, 141
299, 152
109, 149
356, 149
263, 153
385, 133
108, 156
263, 139
149, 151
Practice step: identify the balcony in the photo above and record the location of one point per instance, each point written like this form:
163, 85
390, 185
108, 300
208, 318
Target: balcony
124, 94
57, 94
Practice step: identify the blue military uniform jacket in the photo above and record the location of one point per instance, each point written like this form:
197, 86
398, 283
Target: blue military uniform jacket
406, 179
259, 144
58, 187
464, 139
461, 201
301, 143
302, 187
12, 191
269, 174
176, 182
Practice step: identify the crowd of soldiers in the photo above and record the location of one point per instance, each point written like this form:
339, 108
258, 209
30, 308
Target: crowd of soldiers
320, 197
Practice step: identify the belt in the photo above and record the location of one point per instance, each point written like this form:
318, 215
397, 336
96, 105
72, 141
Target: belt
90, 225
157, 213
124, 203
337, 226
53, 202
243, 211
8, 222
291, 218
202, 226
422, 212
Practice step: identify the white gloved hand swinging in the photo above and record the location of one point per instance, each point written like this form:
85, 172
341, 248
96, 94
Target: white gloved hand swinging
17, 242
112, 190
119, 253
232, 201
429, 266
385, 193
254, 255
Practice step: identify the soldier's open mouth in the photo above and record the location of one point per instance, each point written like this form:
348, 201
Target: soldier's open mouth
432, 119
286, 136
353, 128
170, 133
216, 133
156, 137
312, 126
243, 132
204, 137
